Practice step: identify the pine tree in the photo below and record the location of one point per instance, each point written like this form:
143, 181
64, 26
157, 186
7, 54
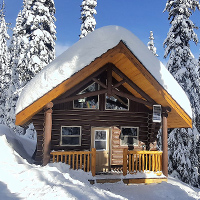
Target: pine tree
39, 38
183, 159
87, 17
16, 46
5, 71
32, 48
150, 44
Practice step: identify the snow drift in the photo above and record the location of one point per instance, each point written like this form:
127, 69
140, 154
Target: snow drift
21, 180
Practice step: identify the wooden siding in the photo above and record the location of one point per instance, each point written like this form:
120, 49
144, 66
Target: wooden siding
64, 115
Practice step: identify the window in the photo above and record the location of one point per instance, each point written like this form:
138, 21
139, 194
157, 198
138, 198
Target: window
71, 135
88, 102
100, 140
129, 136
118, 103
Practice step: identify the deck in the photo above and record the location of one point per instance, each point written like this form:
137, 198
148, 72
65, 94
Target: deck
139, 178
138, 166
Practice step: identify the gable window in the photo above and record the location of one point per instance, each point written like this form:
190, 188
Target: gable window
129, 136
88, 102
71, 135
117, 103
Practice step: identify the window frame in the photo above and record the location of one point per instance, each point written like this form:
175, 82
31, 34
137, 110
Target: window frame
100, 140
82, 98
137, 144
70, 145
117, 109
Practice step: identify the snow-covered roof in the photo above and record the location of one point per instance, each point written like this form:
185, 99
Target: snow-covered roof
87, 50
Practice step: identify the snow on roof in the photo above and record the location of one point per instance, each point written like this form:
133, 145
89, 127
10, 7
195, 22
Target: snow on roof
87, 50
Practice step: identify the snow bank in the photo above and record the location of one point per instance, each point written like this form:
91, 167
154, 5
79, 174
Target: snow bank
85, 51
21, 180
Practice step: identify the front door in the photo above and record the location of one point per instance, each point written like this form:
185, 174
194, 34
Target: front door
101, 141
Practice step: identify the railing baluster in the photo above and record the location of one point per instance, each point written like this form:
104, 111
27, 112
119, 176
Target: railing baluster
77, 161
136, 162
150, 158
88, 163
81, 155
139, 162
84, 162
133, 161
129, 164
53, 157
143, 162
146, 161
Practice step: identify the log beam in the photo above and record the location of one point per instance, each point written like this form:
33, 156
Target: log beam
47, 133
164, 144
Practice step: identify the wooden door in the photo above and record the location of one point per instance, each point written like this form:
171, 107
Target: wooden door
101, 141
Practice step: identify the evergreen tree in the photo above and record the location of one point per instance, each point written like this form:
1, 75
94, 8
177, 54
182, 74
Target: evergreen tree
150, 44
39, 38
32, 48
87, 17
183, 159
16, 46
5, 71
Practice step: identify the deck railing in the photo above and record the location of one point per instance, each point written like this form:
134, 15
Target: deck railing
134, 161
85, 160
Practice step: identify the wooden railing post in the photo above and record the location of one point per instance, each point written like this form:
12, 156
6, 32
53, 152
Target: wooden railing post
125, 153
93, 162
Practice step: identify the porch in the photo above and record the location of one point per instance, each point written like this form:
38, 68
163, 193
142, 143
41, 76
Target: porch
138, 166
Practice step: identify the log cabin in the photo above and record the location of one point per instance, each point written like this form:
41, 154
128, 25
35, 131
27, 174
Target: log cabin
99, 105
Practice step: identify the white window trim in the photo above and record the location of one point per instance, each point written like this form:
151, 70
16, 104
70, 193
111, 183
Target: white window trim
132, 136
80, 136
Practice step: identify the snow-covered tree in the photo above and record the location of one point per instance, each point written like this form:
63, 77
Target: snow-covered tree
5, 71
32, 48
16, 46
183, 159
87, 17
150, 44
38, 25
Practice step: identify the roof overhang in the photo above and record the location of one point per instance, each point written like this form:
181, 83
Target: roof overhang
130, 65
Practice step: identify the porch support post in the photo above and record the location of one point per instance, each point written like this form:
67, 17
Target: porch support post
164, 144
47, 133
125, 153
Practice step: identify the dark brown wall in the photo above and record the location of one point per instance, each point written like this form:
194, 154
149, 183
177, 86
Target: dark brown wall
64, 115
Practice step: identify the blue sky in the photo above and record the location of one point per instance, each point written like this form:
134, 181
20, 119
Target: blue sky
138, 16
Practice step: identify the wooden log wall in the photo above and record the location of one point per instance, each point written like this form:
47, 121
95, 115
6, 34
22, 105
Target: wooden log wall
88, 118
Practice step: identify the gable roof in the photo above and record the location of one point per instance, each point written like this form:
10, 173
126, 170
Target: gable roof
108, 44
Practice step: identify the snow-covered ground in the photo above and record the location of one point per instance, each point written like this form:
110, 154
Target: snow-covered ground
19, 179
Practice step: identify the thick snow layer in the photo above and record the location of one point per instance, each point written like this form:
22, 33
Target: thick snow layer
22, 180
85, 51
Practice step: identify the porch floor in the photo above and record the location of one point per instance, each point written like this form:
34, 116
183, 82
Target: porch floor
137, 178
